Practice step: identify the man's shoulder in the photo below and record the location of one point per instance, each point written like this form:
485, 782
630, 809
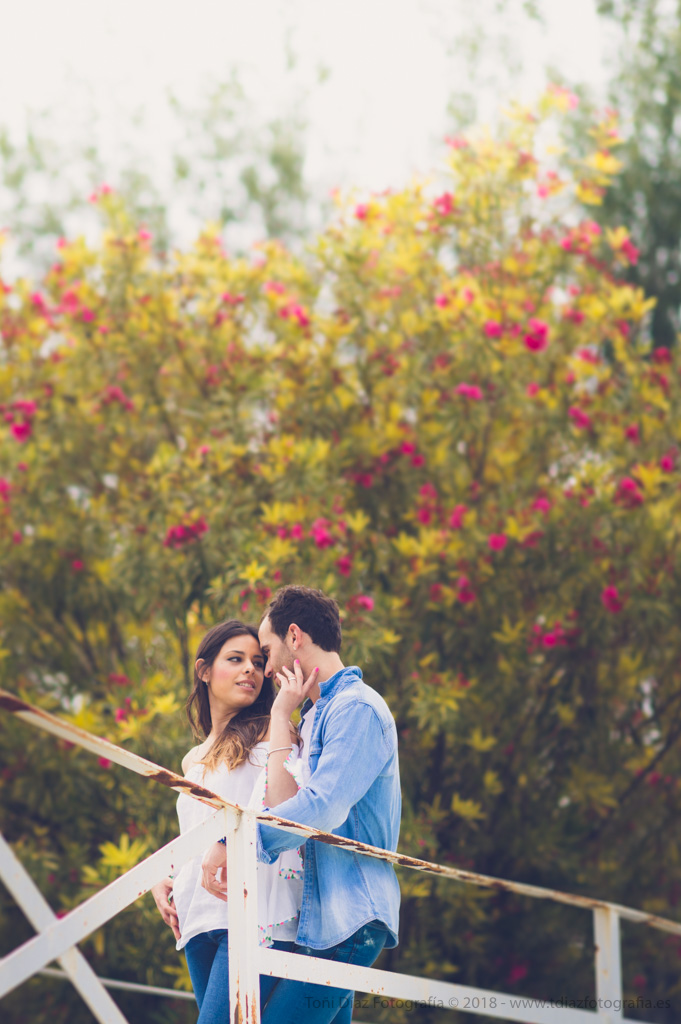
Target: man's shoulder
356, 693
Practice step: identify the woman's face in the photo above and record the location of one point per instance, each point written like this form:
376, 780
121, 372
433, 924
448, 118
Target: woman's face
235, 678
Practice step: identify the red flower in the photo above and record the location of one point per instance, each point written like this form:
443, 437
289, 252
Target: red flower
344, 565
517, 972
628, 493
611, 601
77, 565
25, 406
497, 541
119, 679
418, 461
444, 204
493, 329
468, 391
407, 448
662, 355
456, 518
21, 431
184, 533
320, 534
580, 419
465, 593
537, 337
633, 433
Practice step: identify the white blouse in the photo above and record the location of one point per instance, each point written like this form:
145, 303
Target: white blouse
280, 885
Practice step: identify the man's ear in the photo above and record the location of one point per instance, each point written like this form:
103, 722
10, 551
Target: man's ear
296, 636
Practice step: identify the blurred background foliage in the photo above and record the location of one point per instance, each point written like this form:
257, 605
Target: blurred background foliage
186, 430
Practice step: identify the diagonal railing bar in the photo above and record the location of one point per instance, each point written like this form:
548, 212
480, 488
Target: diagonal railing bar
247, 960
66, 932
96, 745
41, 916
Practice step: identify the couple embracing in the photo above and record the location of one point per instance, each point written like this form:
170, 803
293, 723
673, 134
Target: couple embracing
337, 772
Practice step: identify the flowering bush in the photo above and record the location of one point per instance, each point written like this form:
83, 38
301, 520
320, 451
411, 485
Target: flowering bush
450, 419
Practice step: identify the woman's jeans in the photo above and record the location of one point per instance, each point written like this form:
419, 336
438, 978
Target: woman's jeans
282, 1001
209, 970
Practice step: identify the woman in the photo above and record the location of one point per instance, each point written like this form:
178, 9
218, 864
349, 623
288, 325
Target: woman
230, 708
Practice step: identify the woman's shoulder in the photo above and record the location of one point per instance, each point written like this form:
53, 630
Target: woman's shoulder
193, 757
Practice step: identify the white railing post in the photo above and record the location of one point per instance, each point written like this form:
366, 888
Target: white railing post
242, 903
40, 914
608, 965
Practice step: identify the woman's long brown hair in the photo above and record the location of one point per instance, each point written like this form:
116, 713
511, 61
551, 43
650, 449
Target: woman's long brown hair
249, 725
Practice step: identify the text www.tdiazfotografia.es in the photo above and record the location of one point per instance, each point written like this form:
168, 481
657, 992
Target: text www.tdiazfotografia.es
489, 1002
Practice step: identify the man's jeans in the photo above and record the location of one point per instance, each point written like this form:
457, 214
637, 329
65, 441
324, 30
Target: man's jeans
301, 1002
209, 970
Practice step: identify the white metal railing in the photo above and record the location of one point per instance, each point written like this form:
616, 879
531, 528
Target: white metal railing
57, 939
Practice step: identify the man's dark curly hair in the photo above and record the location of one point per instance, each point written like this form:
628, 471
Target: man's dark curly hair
311, 610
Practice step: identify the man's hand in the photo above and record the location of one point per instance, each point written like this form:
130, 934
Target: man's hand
214, 871
161, 891
292, 690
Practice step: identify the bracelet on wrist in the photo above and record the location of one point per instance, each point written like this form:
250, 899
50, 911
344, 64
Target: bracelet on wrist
277, 750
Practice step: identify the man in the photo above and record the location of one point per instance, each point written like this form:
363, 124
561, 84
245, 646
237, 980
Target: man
350, 902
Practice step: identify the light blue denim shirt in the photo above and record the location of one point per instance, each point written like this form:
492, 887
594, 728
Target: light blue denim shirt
354, 791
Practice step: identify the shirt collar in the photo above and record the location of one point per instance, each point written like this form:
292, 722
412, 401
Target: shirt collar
338, 681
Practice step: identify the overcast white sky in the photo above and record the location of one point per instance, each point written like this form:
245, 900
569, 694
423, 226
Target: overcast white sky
374, 120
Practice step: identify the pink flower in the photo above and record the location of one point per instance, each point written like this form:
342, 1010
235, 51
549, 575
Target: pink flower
21, 431
574, 315
276, 287
364, 601
537, 338
344, 565
456, 141
579, 418
144, 235
456, 518
468, 391
465, 592
296, 532
628, 493
497, 541
630, 251
542, 505
441, 301
667, 463
232, 300
444, 204
25, 406
424, 515
121, 714
633, 432
39, 302
362, 211
5, 488
611, 600
320, 534
17, 537
119, 679
365, 480
104, 762
662, 355
407, 448
418, 461
531, 390
493, 329
77, 565
517, 973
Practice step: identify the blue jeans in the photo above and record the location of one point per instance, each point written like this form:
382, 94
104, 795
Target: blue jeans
301, 1002
209, 970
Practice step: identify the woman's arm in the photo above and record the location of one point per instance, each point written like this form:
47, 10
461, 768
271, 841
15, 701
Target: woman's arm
293, 691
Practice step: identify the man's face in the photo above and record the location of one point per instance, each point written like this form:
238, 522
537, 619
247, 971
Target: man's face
276, 651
